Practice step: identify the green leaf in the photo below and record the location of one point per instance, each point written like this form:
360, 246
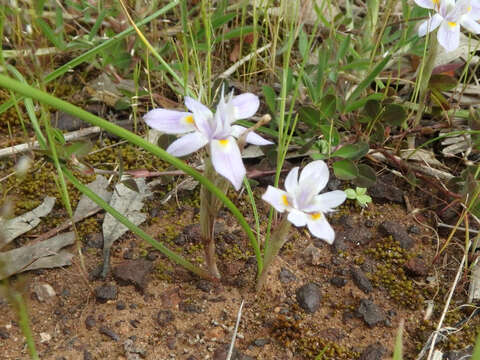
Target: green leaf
303, 43
372, 108
351, 194
79, 148
368, 80
50, 34
345, 169
352, 151
309, 116
328, 105
394, 115
363, 200
442, 82
366, 176
270, 97
331, 134
361, 190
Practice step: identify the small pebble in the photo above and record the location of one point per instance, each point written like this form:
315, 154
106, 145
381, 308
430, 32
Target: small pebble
90, 322
106, 292
338, 281
108, 332
121, 305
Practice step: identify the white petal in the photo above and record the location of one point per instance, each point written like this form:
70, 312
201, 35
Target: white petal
314, 174
449, 35
187, 144
252, 138
197, 107
327, 202
474, 12
245, 105
471, 25
320, 228
279, 199
297, 218
291, 181
170, 121
430, 25
427, 4
227, 160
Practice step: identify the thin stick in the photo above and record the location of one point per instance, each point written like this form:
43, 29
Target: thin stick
447, 304
234, 336
242, 61
21, 148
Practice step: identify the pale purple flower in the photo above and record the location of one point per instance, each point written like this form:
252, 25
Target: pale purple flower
302, 201
448, 18
201, 127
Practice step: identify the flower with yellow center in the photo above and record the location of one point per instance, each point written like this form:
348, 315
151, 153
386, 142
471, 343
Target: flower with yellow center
302, 201
200, 127
448, 18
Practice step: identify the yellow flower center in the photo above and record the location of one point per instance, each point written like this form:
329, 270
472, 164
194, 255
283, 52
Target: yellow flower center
189, 119
316, 216
223, 142
285, 200
452, 24
469, 9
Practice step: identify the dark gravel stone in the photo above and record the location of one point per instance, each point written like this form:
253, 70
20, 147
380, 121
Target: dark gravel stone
361, 280
384, 192
261, 342
152, 255
333, 184
4, 335
398, 232
338, 281
373, 352
204, 285
87, 355
95, 273
221, 353
67, 122
463, 354
135, 272
308, 297
121, 305
171, 342
286, 276
134, 323
128, 254
190, 307
132, 351
106, 292
340, 244
109, 332
90, 322
164, 317
416, 267
369, 223
358, 235
370, 312
95, 241
414, 229
191, 357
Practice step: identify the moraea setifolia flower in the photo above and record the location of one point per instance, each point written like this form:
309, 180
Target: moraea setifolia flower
302, 201
202, 127
448, 18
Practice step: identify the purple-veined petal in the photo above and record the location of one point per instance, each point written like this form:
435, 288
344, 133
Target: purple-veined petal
327, 202
170, 121
449, 35
315, 175
227, 160
252, 138
320, 228
427, 4
291, 181
202, 115
187, 144
245, 105
297, 217
471, 25
279, 199
430, 25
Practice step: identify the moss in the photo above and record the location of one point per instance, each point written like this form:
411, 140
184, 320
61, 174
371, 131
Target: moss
390, 274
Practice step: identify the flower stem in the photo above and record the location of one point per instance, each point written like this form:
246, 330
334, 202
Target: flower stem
209, 207
425, 74
277, 240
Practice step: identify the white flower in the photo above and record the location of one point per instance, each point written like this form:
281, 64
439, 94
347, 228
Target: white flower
450, 15
304, 203
201, 127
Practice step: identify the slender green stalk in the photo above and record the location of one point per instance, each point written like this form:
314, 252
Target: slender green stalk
424, 76
209, 207
24, 322
41, 96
